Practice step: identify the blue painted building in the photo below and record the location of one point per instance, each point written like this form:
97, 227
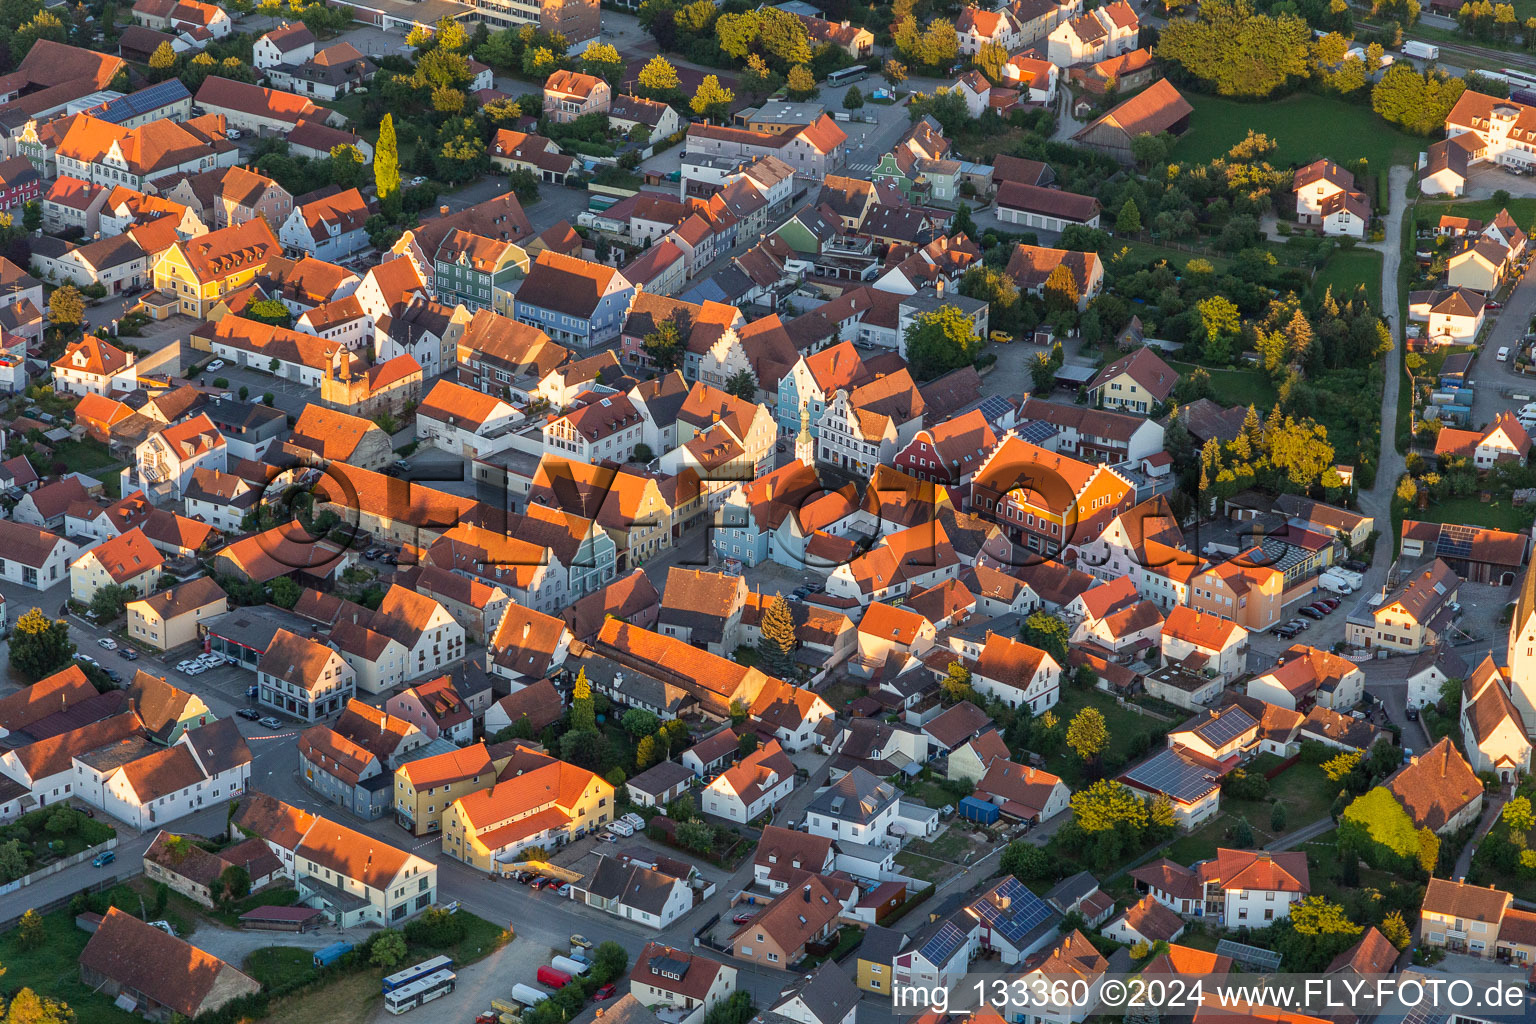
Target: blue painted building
581, 305
814, 379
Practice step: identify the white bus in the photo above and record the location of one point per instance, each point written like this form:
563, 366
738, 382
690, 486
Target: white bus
846, 76
408, 997
416, 972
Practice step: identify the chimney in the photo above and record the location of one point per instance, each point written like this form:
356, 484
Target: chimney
806, 892
443, 210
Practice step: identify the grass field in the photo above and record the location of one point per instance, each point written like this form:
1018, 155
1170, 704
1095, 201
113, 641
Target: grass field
1348, 269
1522, 209
277, 966
1135, 253
1498, 514
354, 999
1123, 726
1238, 387
53, 970
1303, 789
1305, 126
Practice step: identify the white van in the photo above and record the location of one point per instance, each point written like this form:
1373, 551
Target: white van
1335, 584
622, 828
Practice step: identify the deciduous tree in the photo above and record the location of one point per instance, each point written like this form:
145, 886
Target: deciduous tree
712, 100
40, 646
31, 932
939, 341
66, 306
658, 78
1087, 733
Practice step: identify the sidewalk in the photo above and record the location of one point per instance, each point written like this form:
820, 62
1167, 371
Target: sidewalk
1301, 835
1491, 810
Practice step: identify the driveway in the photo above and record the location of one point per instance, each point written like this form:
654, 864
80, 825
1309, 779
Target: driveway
1390, 464
1496, 382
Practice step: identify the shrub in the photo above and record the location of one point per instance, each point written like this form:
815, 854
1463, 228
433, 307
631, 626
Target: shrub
221, 382
436, 928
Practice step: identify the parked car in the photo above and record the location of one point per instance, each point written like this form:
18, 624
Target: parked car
1493, 305
114, 675
1299, 624
582, 941
217, 364
371, 554
1001, 337
564, 890
103, 858
1413, 714
1331, 603
1311, 613
607, 837
249, 714
271, 722
538, 883
1356, 565
605, 992
107, 642
741, 919
128, 654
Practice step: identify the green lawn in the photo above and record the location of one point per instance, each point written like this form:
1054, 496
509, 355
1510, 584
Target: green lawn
1137, 253
1250, 386
1304, 126
1346, 270
1326, 870
280, 966
925, 868
83, 456
1123, 726
947, 847
1304, 790
53, 970
1522, 209
1498, 514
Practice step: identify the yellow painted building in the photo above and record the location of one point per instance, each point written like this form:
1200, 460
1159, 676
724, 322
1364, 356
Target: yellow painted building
170, 618
543, 802
200, 271
425, 789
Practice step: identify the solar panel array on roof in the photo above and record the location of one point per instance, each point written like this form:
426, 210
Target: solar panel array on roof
942, 945
994, 407
1181, 779
1227, 726
1455, 541
134, 104
1256, 957
1012, 911
1036, 432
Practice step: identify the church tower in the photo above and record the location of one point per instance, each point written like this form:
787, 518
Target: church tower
1521, 655
805, 444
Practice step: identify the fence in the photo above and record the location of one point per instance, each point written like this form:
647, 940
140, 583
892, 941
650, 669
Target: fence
1282, 766
57, 866
1138, 709
100, 885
